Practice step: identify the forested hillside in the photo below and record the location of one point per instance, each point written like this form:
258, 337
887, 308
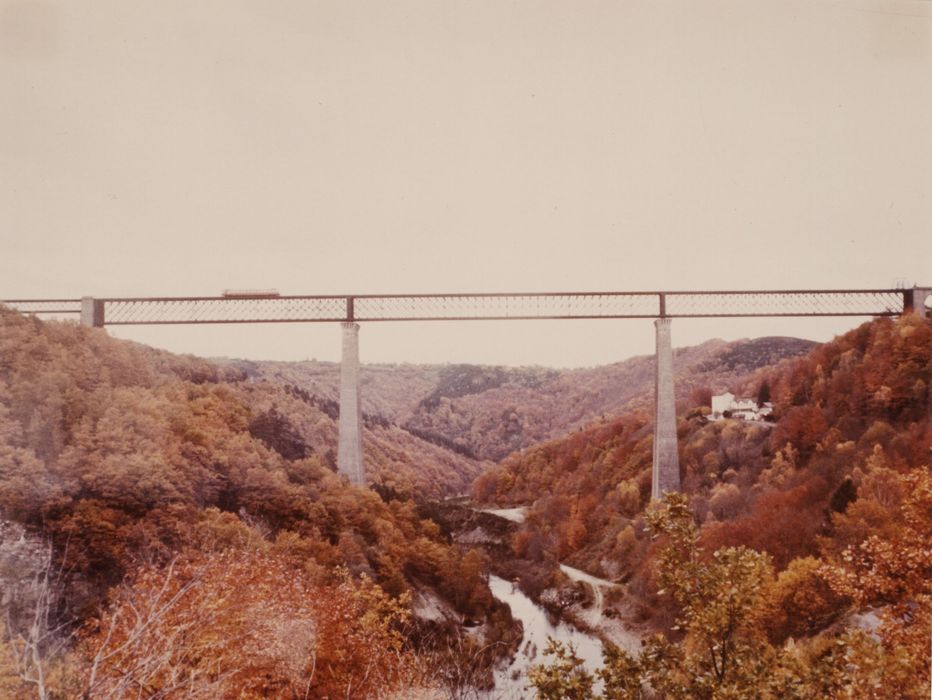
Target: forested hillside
176, 525
489, 412
169, 526
834, 500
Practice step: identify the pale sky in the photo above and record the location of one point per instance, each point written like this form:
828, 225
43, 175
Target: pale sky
181, 148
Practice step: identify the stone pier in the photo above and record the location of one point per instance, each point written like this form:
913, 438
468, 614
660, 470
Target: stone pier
349, 449
92, 312
915, 301
666, 467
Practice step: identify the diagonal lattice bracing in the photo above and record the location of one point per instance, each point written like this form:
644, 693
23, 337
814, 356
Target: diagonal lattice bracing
223, 310
790, 303
429, 307
505, 306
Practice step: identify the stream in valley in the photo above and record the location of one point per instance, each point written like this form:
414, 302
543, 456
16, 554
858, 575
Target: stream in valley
511, 675
510, 680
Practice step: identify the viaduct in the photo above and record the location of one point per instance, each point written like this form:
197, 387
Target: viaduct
350, 311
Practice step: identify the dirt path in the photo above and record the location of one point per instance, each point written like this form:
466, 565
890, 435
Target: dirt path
598, 585
594, 616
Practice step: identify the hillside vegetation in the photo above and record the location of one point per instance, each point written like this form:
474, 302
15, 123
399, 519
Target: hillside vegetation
490, 412
174, 528
827, 511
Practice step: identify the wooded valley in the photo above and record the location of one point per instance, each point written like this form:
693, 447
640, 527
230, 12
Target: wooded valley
172, 527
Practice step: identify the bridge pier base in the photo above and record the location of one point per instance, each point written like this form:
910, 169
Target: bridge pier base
349, 447
665, 475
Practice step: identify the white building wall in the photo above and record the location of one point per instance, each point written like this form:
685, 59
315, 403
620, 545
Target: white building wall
722, 403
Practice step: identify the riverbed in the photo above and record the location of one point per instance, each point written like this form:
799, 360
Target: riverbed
511, 678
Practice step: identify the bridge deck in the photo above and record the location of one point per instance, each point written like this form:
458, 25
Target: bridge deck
462, 307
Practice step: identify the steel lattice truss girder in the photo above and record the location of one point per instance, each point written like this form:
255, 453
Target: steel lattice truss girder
450, 307
785, 303
45, 306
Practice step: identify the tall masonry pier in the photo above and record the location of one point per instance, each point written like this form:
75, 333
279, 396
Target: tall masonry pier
666, 467
349, 449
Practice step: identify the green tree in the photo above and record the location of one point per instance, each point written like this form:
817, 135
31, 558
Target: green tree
720, 600
565, 678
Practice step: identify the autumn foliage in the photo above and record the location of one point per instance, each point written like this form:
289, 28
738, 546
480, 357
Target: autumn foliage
243, 623
830, 492
199, 528
205, 547
726, 600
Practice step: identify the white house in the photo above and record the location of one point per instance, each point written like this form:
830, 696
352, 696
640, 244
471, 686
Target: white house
744, 409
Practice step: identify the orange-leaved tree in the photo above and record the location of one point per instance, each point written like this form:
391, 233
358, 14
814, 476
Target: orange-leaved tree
888, 576
244, 623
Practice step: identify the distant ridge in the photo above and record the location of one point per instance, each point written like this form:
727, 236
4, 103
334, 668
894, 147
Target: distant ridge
487, 412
